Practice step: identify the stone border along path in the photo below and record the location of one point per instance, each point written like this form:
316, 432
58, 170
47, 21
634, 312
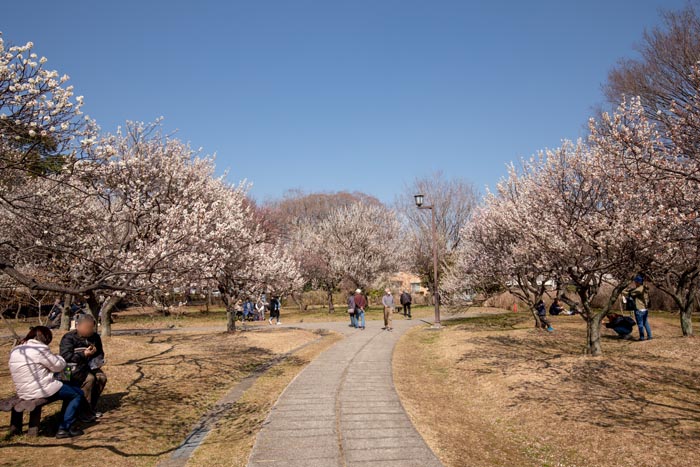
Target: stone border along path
342, 410
181, 455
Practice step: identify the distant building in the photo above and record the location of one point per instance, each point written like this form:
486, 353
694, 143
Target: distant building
409, 282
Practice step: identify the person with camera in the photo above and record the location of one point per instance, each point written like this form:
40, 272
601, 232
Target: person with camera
82, 349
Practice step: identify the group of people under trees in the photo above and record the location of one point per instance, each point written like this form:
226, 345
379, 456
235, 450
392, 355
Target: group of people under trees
255, 311
635, 300
74, 376
358, 303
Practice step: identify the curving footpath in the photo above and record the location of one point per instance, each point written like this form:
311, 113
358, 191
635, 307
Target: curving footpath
342, 410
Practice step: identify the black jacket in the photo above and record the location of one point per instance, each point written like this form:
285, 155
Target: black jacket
70, 343
405, 299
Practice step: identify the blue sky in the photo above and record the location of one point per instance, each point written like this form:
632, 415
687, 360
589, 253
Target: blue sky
329, 95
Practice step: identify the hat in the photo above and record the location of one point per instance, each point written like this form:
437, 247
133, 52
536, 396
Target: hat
639, 279
358, 291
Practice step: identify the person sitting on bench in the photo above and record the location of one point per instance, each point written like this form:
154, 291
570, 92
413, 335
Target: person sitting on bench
83, 347
622, 325
32, 366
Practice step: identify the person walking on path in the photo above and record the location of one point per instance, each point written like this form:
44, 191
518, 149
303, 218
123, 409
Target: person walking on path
360, 306
388, 302
351, 310
275, 308
638, 294
406, 301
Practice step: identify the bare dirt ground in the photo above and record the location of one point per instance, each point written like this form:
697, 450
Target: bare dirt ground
493, 391
158, 387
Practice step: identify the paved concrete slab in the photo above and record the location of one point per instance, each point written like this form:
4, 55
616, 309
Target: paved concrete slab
343, 410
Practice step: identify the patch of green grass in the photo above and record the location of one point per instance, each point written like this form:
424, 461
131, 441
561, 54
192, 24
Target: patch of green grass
505, 322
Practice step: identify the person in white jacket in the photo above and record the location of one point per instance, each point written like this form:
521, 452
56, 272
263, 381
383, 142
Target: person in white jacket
32, 366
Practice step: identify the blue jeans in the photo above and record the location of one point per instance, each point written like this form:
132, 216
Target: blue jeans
642, 318
360, 318
72, 397
353, 319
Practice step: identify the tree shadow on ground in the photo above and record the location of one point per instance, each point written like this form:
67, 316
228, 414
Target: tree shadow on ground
630, 388
167, 391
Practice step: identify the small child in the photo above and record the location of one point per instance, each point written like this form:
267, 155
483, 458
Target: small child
542, 315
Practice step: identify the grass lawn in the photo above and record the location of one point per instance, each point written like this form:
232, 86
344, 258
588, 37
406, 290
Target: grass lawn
493, 391
159, 385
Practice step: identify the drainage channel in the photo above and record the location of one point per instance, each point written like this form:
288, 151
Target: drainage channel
194, 439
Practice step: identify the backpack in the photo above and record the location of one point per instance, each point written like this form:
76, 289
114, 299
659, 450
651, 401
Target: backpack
630, 303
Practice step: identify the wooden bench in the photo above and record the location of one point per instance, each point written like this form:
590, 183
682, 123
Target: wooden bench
18, 406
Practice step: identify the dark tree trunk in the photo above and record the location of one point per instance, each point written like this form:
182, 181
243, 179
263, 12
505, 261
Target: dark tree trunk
208, 298
230, 320
93, 305
331, 307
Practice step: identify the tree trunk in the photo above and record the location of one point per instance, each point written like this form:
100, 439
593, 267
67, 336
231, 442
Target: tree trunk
687, 319
593, 347
331, 307
299, 300
106, 314
65, 314
538, 323
208, 298
230, 320
93, 305
16, 336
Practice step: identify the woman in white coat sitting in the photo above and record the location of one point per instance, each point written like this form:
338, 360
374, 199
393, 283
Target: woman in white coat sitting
32, 366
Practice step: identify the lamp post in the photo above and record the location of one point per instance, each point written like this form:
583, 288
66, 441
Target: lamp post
419, 203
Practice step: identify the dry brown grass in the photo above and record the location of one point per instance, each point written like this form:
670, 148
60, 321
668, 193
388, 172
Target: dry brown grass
231, 442
158, 388
495, 392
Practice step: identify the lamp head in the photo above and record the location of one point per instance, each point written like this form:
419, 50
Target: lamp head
419, 200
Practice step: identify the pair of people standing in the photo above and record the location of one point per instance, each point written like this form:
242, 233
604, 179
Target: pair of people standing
357, 303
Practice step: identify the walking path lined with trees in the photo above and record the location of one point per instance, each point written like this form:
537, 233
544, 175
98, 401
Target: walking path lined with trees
343, 410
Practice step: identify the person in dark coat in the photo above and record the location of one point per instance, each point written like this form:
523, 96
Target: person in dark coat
542, 315
275, 308
622, 325
83, 348
555, 308
406, 301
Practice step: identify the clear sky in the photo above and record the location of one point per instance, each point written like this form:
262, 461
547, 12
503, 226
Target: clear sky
330, 95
